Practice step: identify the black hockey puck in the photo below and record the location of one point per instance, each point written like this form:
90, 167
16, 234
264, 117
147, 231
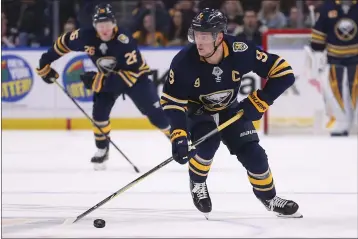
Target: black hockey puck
99, 223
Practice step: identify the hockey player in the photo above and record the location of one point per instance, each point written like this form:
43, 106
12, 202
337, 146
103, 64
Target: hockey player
121, 70
204, 80
336, 31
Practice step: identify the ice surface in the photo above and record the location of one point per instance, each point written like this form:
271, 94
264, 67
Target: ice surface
47, 178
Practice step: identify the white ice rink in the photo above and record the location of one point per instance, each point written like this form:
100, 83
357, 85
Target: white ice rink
47, 177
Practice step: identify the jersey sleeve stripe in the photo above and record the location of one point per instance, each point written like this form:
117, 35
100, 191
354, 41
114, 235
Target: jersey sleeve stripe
283, 65
57, 50
315, 31
63, 42
318, 41
60, 46
283, 73
171, 98
318, 37
275, 64
44, 71
174, 107
125, 79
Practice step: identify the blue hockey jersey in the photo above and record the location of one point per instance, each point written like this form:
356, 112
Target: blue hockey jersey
214, 87
119, 55
336, 31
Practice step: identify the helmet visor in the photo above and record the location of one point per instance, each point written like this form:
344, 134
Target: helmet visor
201, 37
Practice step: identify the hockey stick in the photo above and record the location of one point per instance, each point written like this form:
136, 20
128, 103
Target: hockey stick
199, 141
96, 125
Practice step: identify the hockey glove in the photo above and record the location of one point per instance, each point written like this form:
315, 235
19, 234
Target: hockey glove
93, 80
254, 105
47, 74
181, 146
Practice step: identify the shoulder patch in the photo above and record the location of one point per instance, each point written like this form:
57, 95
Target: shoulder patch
239, 46
123, 38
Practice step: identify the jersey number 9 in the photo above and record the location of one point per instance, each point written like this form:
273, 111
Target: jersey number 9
261, 56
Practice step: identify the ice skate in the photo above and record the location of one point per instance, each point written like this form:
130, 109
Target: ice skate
201, 198
99, 159
283, 207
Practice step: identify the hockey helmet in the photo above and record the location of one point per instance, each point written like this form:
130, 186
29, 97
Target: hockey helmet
208, 20
103, 12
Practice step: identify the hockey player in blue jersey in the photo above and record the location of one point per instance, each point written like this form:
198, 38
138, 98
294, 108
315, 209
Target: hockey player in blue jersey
336, 32
121, 70
204, 80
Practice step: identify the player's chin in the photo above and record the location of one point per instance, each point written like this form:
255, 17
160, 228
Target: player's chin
202, 53
105, 37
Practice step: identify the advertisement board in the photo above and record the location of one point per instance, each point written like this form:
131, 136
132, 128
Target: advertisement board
28, 102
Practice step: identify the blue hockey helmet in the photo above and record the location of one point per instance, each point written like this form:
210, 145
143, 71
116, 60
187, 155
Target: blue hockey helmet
208, 20
103, 13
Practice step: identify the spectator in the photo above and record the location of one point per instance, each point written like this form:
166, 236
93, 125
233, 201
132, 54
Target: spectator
270, 14
234, 13
147, 35
294, 18
6, 41
210, 4
252, 29
45, 39
162, 18
315, 5
69, 26
187, 9
178, 31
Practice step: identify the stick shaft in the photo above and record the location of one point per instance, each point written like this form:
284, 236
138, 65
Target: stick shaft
134, 182
96, 125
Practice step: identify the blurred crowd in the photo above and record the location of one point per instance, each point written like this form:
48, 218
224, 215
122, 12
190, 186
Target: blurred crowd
33, 23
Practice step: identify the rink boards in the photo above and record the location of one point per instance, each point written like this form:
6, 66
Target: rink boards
29, 103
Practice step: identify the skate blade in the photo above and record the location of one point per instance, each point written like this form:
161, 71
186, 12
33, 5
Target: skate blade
99, 166
206, 215
295, 215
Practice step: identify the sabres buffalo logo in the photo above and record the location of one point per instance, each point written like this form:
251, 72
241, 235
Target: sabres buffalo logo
345, 29
218, 100
106, 64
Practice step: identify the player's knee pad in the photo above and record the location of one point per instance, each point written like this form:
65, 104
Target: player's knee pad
239, 134
102, 106
157, 116
200, 164
253, 157
145, 97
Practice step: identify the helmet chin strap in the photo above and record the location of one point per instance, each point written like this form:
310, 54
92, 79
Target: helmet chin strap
213, 52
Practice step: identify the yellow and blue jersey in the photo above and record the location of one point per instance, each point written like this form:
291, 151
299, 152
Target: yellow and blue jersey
336, 31
215, 87
120, 54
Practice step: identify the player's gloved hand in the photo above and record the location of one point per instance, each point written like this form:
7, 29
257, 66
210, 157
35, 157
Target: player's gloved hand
92, 80
254, 105
47, 74
182, 150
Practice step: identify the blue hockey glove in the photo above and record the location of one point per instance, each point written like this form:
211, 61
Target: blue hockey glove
181, 147
255, 105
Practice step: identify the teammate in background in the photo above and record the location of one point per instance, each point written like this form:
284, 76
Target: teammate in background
336, 31
204, 81
121, 70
